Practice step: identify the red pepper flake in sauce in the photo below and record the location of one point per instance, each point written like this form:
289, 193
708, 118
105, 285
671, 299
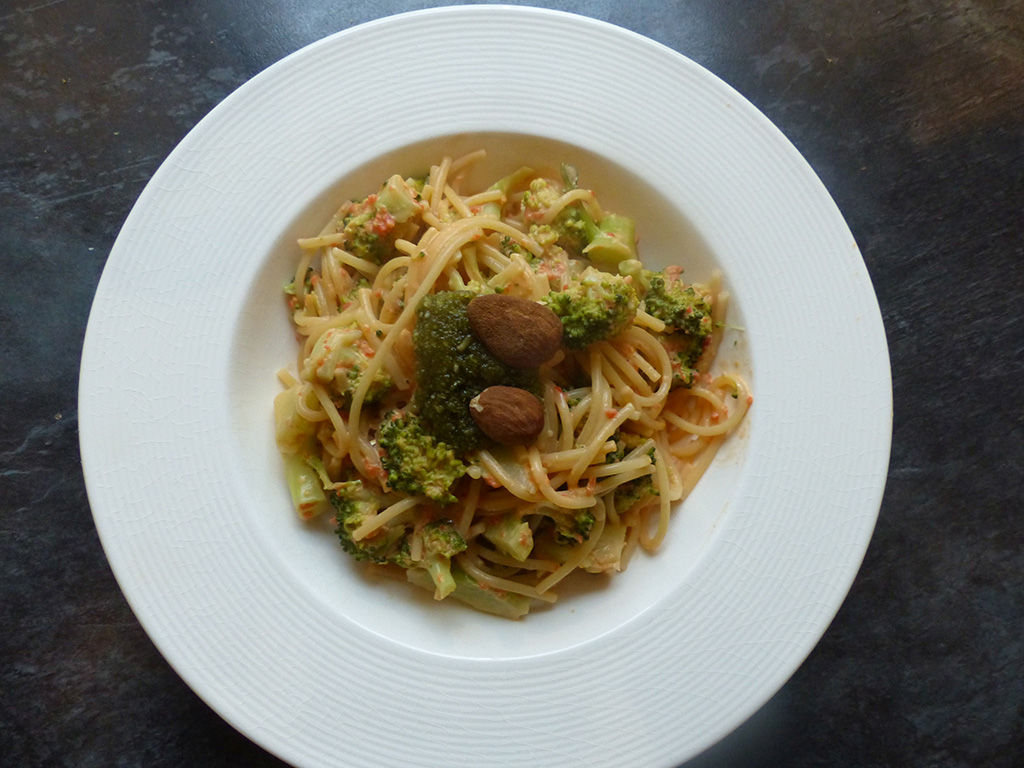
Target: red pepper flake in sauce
373, 470
382, 223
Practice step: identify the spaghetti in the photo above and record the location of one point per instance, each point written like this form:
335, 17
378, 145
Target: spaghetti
375, 428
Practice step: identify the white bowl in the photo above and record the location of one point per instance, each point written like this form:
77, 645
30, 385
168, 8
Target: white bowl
312, 656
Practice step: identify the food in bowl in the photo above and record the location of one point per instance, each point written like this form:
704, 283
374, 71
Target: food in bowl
492, 392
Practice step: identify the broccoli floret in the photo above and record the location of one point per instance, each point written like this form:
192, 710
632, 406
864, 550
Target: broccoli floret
540, 196
688, 324
363, 235
574, 230
339, 358
678, 305
510, 534
415, 461
597, 306
577, 529
571, 528
441, 542
632, 491
400, 198
354, 504
508, 246
369, 224
683, 353
606, 242
452, 367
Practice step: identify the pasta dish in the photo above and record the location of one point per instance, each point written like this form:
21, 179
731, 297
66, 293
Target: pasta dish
492, 392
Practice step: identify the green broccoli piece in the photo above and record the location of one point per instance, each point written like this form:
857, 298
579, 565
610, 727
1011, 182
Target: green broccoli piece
683, 353
571, 528
510, 534
596, 307
338, 359
688, 323
468, 590
400, 199
293, 433
606, 242
354, 504
540, 196
361, 239
631, 491
369, 224
508, 246
296, 439
415, 461
289, 288
441, 542
304, 486
613, 243
678, 305
574, 230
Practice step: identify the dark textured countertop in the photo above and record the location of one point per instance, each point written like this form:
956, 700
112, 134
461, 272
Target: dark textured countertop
912, 114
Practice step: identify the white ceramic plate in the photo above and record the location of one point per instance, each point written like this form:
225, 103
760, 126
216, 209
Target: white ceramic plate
267, 620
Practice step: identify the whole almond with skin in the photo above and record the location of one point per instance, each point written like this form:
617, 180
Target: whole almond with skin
519, 332
508, 415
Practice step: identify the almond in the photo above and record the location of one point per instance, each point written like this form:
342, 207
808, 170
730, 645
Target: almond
519, 332
508, 415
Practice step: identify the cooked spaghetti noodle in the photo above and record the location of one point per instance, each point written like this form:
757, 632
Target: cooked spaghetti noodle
376, 427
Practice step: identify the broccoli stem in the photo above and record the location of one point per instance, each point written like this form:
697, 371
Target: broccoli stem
505, 184
439, 568
307, 493
292, 432
498, 602
511, 535
398, 198
614, 242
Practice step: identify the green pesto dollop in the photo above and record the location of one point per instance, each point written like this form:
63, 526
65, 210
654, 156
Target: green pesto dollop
453, 367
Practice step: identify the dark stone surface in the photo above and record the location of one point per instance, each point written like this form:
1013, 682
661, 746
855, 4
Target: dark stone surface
912, 113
